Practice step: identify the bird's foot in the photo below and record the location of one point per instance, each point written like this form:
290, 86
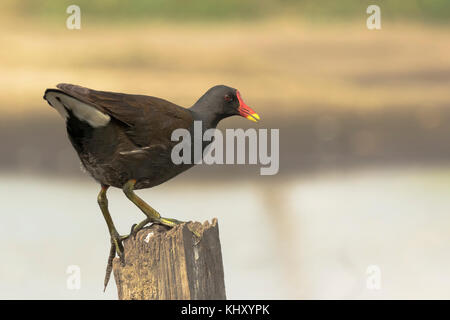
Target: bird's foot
116, 242
169, 222
137, 227
173, 222
116, 247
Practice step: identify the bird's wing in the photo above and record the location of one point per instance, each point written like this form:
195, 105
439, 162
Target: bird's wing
148, 120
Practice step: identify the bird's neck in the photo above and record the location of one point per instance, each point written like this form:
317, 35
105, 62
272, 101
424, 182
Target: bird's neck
202, 112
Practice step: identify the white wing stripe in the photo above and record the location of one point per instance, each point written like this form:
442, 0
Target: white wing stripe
81, 110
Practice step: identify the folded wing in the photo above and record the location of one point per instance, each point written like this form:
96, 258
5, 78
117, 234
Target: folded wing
147, 120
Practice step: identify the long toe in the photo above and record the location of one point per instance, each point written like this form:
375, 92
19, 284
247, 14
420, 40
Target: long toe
170, 222
135, 228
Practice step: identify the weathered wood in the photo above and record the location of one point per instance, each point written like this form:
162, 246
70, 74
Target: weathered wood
184, 262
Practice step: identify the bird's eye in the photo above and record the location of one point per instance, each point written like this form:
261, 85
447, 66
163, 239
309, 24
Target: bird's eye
228, 98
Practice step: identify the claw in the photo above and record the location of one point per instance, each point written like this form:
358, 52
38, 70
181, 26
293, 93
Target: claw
196, 234
119, 248
116, 247
133, 232
135, 228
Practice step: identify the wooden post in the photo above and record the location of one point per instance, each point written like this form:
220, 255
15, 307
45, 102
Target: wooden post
184, 262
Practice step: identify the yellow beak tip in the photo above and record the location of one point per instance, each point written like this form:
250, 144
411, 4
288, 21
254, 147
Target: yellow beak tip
253, 117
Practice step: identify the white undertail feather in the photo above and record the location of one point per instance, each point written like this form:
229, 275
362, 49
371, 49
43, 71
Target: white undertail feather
81, 110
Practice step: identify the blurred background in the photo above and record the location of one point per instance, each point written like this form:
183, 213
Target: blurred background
364, 174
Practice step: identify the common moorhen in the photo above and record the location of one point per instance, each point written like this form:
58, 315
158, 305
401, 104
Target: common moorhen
124, 140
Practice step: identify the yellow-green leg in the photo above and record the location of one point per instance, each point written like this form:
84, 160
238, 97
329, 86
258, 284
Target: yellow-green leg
116, 239
152, 214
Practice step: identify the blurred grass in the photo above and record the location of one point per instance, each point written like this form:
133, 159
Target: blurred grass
278, 65
430, 11
278, 61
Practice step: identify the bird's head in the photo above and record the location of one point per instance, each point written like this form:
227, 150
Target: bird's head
225, 101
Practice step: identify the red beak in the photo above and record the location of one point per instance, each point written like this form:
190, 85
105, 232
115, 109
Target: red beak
245, 111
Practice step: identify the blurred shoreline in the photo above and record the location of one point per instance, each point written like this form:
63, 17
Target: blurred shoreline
313, 141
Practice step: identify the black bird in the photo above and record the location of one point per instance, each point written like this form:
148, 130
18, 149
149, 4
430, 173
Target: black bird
124, 140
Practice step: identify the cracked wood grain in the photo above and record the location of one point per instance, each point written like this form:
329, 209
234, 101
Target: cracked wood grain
184, 262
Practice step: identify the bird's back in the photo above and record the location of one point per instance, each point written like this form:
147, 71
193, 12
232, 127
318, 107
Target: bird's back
119, 136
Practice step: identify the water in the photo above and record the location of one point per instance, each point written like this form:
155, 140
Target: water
310, 237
